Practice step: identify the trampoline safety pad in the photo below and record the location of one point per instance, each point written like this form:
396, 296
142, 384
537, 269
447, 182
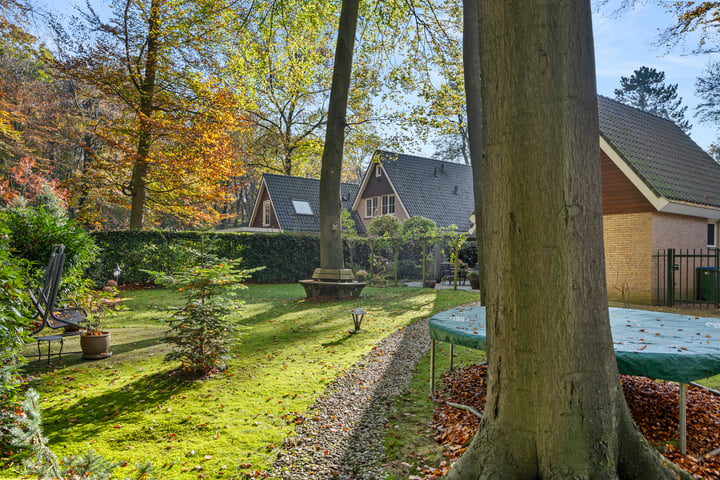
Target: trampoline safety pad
664, 346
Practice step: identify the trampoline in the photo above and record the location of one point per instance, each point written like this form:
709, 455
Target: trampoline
659, 345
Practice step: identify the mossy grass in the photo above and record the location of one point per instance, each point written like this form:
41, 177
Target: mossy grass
134, 407
409, 444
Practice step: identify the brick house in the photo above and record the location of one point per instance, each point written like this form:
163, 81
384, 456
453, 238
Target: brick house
660, 190
408, 186
291, 204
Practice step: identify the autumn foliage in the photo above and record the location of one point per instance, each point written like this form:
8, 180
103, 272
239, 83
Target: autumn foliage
653, 404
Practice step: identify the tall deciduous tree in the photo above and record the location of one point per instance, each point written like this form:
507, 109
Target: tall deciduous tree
168, 143
331, 252
707, 87
473, 98
646, 89
554, 408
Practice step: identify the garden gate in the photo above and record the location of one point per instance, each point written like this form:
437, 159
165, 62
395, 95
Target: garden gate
687, 276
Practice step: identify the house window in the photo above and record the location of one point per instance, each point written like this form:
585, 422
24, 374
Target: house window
302, 207
371, 205
711, 235
266, 213
378, 172
388, 204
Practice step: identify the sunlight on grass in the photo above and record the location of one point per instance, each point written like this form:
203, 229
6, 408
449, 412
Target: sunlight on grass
130, 408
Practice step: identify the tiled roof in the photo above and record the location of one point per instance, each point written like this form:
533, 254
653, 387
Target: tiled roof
440, 191
283, 189
661, 154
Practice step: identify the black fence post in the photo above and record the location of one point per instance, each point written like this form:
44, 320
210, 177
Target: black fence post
670, 272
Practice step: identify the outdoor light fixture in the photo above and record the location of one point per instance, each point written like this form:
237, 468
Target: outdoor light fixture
357, 314
116, 273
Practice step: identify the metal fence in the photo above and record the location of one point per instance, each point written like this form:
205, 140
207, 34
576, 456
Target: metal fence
686, 277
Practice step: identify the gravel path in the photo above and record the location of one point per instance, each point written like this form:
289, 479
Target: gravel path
343, 435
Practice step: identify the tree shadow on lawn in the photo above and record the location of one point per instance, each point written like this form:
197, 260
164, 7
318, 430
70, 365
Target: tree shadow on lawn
97, 413
72, 358
287, 332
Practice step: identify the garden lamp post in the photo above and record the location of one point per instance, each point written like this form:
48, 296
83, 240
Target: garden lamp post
357, 315
116, 273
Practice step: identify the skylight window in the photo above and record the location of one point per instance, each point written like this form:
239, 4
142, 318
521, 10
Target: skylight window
302, 207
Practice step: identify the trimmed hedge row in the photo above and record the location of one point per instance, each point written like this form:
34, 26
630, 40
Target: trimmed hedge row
286, 257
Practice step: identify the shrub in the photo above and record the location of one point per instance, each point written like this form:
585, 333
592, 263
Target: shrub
12, 337
33, 231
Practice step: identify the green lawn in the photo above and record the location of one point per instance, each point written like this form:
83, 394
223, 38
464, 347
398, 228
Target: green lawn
130, 408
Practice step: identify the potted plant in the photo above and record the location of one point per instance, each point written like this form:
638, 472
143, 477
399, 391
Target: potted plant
361, 275
94, 341
474, 279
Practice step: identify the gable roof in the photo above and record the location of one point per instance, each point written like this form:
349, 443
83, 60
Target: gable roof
284, 189
434, 189
666, 165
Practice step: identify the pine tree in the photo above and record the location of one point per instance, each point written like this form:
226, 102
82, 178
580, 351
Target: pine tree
646, 89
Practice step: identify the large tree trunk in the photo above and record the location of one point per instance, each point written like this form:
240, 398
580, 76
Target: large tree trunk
471, 65
138, 181
331, 252
555, 408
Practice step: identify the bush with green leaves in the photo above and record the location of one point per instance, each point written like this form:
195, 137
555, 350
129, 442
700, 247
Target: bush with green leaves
13, 335
423, 232
33, 231
201, 331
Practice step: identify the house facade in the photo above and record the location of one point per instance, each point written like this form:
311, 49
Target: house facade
409, 186
660, 191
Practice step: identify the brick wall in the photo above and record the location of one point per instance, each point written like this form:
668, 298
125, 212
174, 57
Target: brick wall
678, 231
628, 256
682, 233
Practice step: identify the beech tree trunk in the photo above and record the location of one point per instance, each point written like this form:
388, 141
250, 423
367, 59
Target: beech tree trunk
138, 181
471, 64
555, 408
331, 251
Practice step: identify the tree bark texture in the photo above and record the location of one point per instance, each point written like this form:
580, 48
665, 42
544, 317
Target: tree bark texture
471, 66
554, 408
138, 181
331, 253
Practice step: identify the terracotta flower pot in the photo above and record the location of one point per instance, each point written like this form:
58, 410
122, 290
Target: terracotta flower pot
95, 346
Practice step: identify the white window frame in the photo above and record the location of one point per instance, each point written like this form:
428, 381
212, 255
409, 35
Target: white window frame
712, 228
378, 171
388, 205
371, 205
266, 213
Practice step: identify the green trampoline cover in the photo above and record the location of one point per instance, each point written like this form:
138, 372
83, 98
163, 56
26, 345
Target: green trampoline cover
666, 346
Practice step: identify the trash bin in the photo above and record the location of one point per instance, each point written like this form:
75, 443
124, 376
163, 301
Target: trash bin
706, 284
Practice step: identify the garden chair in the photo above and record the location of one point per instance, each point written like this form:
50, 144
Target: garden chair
50, 312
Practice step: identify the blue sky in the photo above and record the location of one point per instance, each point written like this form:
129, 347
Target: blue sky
626, 42
623, 43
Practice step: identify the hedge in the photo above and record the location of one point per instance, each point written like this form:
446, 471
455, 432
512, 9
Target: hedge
286, 257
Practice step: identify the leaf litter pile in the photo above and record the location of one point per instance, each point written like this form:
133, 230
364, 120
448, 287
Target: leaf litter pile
653, 404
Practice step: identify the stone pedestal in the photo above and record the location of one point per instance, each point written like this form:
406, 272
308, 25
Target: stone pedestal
334, 283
